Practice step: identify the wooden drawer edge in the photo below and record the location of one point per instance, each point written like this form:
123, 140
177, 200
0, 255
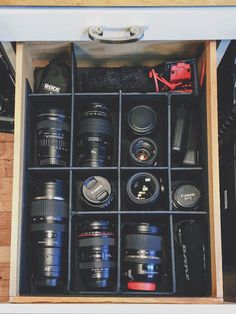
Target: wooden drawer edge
127, 300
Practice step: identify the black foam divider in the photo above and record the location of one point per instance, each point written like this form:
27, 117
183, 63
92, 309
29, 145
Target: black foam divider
118, 173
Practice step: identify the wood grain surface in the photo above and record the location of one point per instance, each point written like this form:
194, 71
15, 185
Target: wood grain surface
6, 164
109, 3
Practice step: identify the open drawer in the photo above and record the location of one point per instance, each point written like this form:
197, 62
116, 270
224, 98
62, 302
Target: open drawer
81, 55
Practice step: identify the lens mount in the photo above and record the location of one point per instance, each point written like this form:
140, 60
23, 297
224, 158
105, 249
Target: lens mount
143, 189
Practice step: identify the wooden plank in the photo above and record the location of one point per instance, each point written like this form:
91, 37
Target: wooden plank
6, 150
6, 189
110, 3
134, 300
5, 228
213, 170
4, 271
6, 137
4, 254
5, 204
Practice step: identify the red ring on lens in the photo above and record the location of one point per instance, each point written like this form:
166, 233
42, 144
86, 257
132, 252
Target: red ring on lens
144, 286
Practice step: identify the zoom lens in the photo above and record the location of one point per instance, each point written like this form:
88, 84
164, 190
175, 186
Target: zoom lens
96, 192
49, 212
142, 120
143, 152
142, 256
97, 254
95, 136
143, 189
186, 196
52, 137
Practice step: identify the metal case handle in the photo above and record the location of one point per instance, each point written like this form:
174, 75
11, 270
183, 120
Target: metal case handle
136, 32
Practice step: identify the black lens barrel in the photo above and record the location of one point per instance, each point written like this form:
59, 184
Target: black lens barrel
95, 136
49, 213
97, 251
52, 137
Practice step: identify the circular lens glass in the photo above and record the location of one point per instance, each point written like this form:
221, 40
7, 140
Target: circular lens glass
143, 152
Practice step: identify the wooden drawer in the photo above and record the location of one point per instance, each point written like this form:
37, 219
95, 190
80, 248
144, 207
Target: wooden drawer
36, 54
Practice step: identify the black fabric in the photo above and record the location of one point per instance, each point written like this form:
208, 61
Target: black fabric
54, 78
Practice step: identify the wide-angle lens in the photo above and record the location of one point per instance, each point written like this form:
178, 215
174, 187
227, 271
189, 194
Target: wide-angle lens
97, 254
143, 247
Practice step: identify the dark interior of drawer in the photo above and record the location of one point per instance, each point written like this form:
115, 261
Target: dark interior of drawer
168, 169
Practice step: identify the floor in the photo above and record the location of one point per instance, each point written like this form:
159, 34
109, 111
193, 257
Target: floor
6, 170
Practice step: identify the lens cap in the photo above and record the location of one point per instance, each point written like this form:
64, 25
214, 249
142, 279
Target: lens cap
96, 191
142, 120
186, 196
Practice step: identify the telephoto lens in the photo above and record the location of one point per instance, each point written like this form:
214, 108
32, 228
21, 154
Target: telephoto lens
142, 120
96, 193
49, 214
52, 137
143, 246
95, 136
186, 196
143, 152
143, 190
97, 254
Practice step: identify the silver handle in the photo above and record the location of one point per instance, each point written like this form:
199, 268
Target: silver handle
136, 32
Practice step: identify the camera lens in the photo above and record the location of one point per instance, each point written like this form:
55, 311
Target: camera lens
97, 254
142, 256
49, 212
143, 152
142, 120
143, 189
97, 192
186, 196
52, 137
95, 136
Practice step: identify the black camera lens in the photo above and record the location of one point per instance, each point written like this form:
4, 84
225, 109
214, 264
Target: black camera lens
143, 152
52, 137
49, 212
97, 254
143, 189
96, 192
186, 196
142, 120
95, 136
142, 256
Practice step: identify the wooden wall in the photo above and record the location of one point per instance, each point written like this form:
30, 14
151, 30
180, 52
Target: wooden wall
6, 165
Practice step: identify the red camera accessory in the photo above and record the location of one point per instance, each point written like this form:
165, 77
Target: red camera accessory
180, 72
176, 77
141, 286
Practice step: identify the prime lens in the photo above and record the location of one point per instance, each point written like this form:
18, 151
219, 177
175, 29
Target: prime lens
95, 136
143, 189
97, 254
49, 213
142, 120
143, 246
186, 196
143, 152
52, 137
96, 192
